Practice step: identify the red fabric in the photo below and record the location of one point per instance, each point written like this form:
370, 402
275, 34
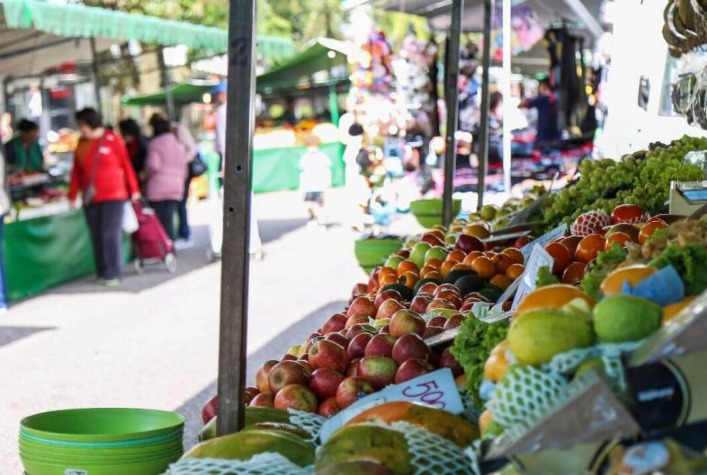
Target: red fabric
114, 179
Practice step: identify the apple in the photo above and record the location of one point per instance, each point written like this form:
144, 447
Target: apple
427, 288
294, 350
357, 345
327, 354
380, 345
466, 306
359, 290
307, 367
387, 295
433, 240
441, 303
522, 241
627, 213
361, 328
261, 377
351, 390
476, 297
438, 321
404, 253
451, 297
412, 369
263, 400
328, 407
388, 309
356, 319
362, 305
468, 244
288, 357
418, 253
335, 323
352, 370
210, 409
304, 358
284, 373
378, 370
373, 284
313, 338
338, 338
438, 251
410, 347
432, 331
251, 391
406, 321
447, 360
385, 330
324, 382
393, 261
297, 397
419, 303
454, 321
445, 287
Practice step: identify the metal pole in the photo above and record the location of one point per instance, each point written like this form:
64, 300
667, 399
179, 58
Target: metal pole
236, 211
166, 83
506, 94
484, 126
96, 75
451, 96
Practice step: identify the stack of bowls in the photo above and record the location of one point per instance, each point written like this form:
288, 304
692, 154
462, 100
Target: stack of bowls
101, 442
372, 252
429, 212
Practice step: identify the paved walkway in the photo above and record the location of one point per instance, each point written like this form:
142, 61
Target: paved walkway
153, 342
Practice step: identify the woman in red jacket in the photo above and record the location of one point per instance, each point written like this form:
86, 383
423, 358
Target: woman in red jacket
105, 177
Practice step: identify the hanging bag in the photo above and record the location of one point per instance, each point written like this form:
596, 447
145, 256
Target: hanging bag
130, 223
197, 166
89, 193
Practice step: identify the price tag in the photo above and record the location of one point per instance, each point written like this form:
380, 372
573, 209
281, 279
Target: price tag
437, 389
539, 257
543, 240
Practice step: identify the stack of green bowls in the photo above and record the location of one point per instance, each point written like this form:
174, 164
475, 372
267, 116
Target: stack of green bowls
372, 252
429, 212
101, 442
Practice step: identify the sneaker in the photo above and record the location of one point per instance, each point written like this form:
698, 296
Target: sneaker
109, 282
181, 244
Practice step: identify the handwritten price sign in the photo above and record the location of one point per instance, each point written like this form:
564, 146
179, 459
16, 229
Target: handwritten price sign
437, 389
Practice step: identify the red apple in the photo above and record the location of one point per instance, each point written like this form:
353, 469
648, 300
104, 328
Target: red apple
451, 296
359, 290
373, 284
297, 397
251, 391
468, 244
410, 347
476, 297
356, 319
427, 288
404, 253
445, 287
357, 345
380, 345
324, 382
327, 354
362, 305
441, 303
385, 330
261, 377
387, 295
311, 340
388, 309
210, 409
335, 323
338, 338
360, 328
284, 373
288, 357
419, 303
263, 400
447, 360
432, 239
438, 321
432, 331
522, 241
304, 357
305, 364
454, 321
352, 370
378, 370
412, 369
406, 321
351, 390
329, 407
466, 306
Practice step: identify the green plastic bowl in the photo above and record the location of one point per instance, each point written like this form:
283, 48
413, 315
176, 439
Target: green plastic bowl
373, 252
101, 425
85, 460
137, 451
429, 212
153, 467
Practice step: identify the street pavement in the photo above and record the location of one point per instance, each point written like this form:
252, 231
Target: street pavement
153, 341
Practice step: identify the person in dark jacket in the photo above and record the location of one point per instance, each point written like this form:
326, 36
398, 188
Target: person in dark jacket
136, 144
546, 105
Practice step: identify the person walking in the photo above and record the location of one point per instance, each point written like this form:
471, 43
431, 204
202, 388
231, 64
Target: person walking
165, 173
4, 208
546, 105
315, 179
103, 174
136, 143
23, 152
191, 149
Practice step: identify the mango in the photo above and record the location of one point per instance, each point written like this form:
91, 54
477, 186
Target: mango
620, 318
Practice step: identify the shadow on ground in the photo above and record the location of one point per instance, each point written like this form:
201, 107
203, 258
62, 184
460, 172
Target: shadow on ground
10, 335
273, 349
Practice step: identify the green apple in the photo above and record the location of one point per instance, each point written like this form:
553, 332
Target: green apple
417, 255
410, 243
436, 252
393, 261
451, 238
488, 212
294, 350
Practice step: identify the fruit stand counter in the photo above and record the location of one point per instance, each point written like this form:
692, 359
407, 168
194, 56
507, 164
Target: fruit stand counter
44, 252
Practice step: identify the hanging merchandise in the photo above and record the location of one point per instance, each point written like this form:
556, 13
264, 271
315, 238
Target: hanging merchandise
567, 74
526, 30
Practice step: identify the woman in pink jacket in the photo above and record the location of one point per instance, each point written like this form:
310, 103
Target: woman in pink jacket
166, 172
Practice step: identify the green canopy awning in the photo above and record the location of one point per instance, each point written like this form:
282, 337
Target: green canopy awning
80, 21
184, 93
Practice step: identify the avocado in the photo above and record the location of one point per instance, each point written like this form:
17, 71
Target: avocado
405, 291
469, 283
491, 292
455, 275
422, 282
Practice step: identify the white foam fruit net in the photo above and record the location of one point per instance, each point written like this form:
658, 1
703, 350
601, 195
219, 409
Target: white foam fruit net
261, 464
432, 454
312, 423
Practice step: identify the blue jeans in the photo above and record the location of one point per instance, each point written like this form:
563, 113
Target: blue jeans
4, 300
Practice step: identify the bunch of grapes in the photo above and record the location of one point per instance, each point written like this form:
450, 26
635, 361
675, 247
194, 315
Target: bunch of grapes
642, 179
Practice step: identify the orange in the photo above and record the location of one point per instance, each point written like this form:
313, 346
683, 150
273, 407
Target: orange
456, 255
613, 283
514, 254
407, 266
426, 270
515, 271
385, 272
388, 280
435, 275
489, 254
574, 273
461, 267
485, 419
670, 311
589, 247
409, 279
503, 262
434, 262
552, 296
560, 255
469, 259
484, 267
501, 281
447, 267
496, 365
648, 229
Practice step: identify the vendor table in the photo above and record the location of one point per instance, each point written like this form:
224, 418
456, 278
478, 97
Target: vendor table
44, 252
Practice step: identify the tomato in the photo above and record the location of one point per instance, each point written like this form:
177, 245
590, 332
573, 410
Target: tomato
571, 242
574, 273
627, 214
561, 256
616, 237
589, 247
648, 229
